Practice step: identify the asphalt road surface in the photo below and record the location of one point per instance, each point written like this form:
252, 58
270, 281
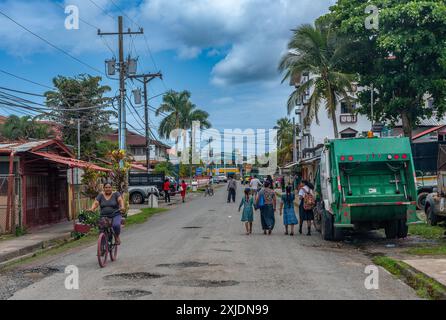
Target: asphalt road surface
200, 251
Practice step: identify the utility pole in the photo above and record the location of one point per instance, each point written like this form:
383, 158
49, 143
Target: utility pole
145, 79
122, 78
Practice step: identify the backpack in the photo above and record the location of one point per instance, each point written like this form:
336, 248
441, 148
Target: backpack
309, 201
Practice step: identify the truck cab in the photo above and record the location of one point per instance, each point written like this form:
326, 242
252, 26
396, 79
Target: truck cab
366, 184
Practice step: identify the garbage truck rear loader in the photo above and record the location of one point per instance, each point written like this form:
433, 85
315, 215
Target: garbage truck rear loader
366, 184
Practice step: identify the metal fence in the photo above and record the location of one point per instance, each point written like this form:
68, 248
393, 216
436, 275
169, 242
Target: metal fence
11, 218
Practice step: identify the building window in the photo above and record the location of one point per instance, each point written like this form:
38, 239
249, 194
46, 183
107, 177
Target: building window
347, 109
348, 135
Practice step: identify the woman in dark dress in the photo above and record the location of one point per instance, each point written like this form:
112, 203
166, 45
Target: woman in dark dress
268, 210
111, 205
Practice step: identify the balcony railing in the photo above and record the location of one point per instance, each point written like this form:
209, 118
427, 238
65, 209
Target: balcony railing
348, 118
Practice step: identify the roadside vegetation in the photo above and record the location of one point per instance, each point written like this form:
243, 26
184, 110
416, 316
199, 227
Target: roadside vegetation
424, 286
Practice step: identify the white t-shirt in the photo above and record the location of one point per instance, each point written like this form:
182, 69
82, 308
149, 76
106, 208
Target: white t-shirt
254, 184
304, 190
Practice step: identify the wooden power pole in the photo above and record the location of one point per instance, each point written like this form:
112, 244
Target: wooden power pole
122, 77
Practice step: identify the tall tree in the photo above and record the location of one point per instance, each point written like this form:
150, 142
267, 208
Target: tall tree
17, 128
319, 51
181, 113
284, 129
81, 97
404, 58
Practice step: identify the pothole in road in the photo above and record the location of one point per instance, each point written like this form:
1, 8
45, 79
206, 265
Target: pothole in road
222, 250
39, 273
204, 283
193, 227
187, 264
205, 238
134, 276
129, 294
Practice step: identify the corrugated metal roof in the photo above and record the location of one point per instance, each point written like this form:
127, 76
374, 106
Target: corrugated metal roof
72, 163
431, 122
23, 146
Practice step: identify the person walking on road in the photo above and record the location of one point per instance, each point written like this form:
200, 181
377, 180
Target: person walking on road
248, 210
255, 184
266, 202
183, 189
306, 213
232, 189
287, 209
166, 189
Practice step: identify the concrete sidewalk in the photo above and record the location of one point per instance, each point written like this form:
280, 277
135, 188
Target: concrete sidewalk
433, 268
37, 239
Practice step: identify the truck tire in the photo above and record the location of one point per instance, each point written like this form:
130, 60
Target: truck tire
403, 229
327, 226
137, 198
432, 218
391, 229
421, 200
338, 234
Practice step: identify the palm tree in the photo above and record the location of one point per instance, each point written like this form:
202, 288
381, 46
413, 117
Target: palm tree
16, 128
320, 52
181, 113
284, 129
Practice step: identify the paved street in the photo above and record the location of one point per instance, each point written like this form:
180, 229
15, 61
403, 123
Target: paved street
200, 251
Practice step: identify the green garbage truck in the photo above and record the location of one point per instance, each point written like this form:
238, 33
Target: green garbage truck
366, 184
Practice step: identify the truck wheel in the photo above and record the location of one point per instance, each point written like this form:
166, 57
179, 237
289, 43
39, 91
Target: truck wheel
137, 198
327, 226
392, 229
432, 218
403, 229
338, 234
421, 200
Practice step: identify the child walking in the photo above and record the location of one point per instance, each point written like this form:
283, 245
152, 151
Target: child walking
248, 210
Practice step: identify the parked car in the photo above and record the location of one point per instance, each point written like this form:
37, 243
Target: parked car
139, 194
145, 180
222, 179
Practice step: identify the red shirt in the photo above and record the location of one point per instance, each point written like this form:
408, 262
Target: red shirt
166, 186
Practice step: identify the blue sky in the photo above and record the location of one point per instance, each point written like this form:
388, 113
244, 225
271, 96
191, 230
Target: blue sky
224, 52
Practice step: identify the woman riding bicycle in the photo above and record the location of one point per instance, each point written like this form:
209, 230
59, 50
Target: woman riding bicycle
112, 206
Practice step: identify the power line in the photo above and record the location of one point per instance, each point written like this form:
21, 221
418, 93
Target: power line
102, 9
23, 92
51, 44
26, 80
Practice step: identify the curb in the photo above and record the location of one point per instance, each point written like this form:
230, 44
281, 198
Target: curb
414, 278
410, 274
30, 250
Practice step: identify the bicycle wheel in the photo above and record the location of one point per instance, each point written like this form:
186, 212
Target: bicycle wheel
102, 250
113, 248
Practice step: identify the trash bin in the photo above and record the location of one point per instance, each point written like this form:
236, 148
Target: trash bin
194, 186
153, 201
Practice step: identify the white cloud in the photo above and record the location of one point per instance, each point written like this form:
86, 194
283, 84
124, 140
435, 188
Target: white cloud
256, 30
248, 35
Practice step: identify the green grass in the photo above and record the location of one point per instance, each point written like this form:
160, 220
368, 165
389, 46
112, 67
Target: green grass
388, 264
89, 239
143, 216
424, 286
428, 251
427, 232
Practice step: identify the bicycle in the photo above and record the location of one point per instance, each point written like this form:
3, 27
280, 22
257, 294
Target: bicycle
106, 241
209, 191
